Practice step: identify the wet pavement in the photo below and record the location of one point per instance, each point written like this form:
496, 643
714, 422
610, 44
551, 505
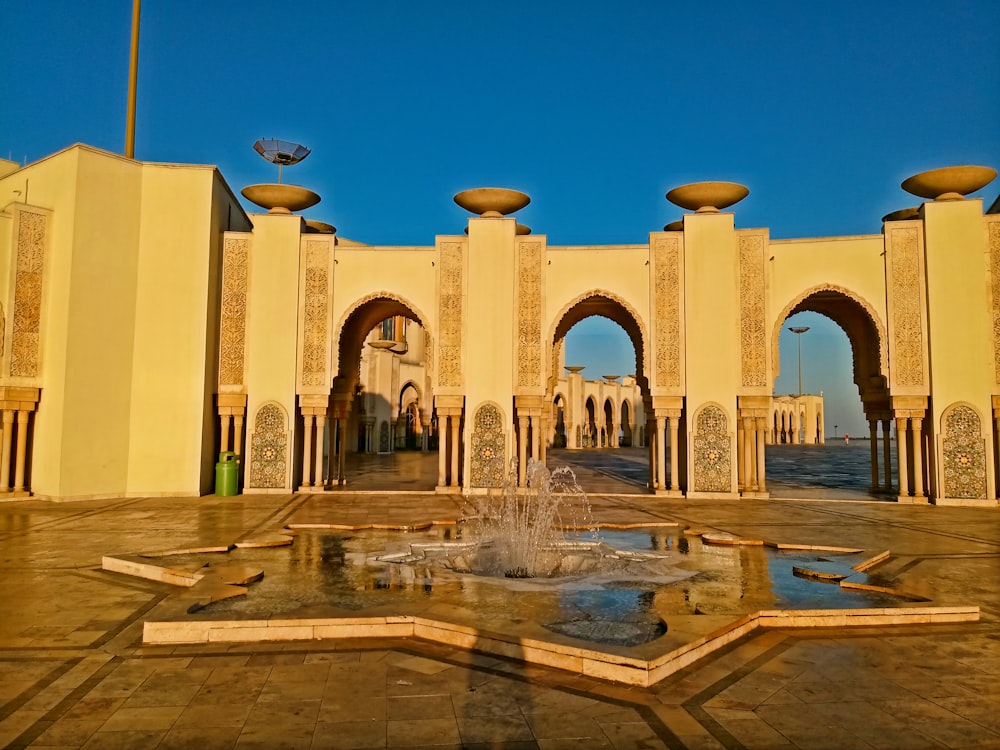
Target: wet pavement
74, 672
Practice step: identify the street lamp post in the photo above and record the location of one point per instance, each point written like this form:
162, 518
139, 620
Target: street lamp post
798, 331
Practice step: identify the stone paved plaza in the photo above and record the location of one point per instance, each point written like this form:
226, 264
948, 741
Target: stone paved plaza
74, 672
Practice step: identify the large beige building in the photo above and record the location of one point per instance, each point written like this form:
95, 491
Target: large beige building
150, 323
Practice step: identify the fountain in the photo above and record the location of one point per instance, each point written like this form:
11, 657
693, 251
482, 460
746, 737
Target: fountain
523, 574
521, 534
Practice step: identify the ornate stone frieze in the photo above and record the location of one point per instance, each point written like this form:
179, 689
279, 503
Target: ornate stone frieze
753, 334
450, 315
315, 302
963, 453
712, 450
666, 254
269, 448
232, 344
907, 354
27, 308
529, 314
488, 447
994, 240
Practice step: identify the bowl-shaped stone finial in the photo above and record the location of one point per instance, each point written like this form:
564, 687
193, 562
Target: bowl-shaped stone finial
903, 214
674, 226
492, 202
319, 227
708, 197
949, 183
280, 198
575, 368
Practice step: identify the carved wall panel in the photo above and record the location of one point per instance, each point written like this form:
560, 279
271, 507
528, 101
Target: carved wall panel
232, 343
963, 453
489, 447
712, 450
383, 437
529, 314
315, 318
269, 448
450, 315
27, 307
666, 259
905, 294
994, 240
753, 336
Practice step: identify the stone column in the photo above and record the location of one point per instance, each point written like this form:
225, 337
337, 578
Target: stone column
455, 438
318, 467
740, 454
224, 434
522, 449
22, 449
750, 482
307, 436
341, 449
543, 443
651, 449
661, 453
887, 453
442, 449
238, 434
873, 439
918, 465
8, 434
901, 428
761, 441
675, 485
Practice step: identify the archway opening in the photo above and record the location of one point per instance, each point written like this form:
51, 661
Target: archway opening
380, 396
599, 351
830, 397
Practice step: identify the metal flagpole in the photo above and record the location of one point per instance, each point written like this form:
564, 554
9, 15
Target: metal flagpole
132, 78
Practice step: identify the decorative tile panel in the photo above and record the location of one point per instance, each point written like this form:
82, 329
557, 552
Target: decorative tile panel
489, 447
712, 450
964, 453
269, 448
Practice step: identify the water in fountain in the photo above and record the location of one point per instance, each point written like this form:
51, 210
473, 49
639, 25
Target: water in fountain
521, 533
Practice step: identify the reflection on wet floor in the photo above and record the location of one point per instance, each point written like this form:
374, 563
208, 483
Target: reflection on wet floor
683, 575
832, 471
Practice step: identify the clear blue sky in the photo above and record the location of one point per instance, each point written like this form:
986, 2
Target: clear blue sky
594, 109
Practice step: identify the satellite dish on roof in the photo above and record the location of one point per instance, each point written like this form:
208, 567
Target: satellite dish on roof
281, 153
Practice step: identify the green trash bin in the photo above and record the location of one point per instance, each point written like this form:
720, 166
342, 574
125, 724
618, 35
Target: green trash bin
227, 474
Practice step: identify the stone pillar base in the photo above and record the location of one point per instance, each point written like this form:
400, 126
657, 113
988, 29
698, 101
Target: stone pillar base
910, 500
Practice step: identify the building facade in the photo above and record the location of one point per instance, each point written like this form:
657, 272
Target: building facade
149, 322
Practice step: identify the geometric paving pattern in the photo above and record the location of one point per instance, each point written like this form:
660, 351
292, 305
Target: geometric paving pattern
74, 673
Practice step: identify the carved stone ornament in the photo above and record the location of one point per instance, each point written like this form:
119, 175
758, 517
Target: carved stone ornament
27, 308
232, 343
907, 365
315, 301
667, 309
753, 336
529, 314
450, 315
